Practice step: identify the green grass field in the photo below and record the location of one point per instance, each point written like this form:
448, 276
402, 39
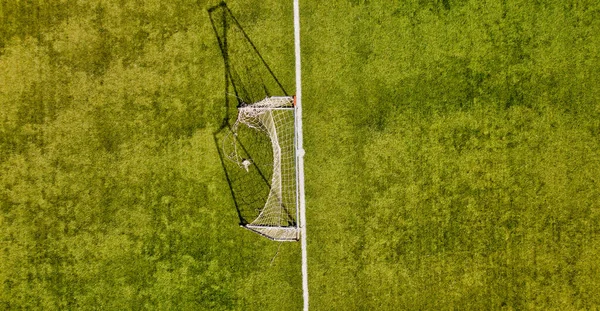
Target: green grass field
452, 156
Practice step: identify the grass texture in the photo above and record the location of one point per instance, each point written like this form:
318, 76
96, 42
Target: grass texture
452, 156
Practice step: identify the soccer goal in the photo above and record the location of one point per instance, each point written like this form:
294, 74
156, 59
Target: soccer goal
263, 145
272, 118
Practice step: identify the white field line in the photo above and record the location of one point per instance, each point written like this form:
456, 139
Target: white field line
300, 155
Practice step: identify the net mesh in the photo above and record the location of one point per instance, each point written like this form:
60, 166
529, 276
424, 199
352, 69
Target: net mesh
272, 117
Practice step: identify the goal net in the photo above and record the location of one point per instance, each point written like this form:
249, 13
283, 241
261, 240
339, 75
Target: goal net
268, 122
256, 140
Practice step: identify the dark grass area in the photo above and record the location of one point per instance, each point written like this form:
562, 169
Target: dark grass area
453, 156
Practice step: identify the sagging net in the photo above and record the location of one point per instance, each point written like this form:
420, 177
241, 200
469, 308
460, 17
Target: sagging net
271, 118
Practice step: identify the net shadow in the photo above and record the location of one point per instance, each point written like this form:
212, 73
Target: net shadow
248, 79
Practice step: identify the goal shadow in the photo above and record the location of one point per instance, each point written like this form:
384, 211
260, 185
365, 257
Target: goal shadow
248, 79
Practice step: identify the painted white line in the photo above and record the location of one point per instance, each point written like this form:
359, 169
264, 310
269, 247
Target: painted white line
300, 155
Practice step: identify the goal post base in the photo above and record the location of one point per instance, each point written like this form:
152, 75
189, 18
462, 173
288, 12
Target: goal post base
280, 234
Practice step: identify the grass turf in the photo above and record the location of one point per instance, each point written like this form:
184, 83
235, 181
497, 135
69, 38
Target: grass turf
452, 157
